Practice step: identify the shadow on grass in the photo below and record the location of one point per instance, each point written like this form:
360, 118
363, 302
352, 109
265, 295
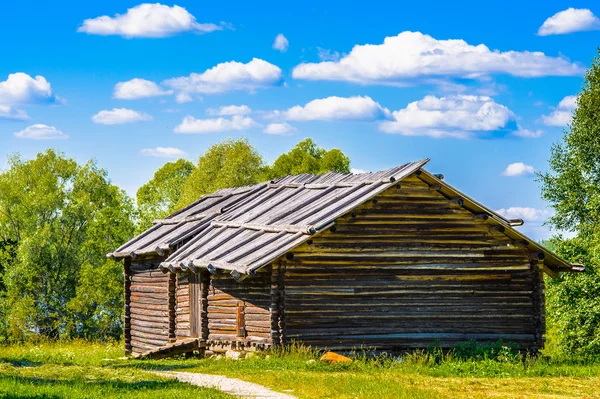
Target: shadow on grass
91, 385
141, 365
19, 362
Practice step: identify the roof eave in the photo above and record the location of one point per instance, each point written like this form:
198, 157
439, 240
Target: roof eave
552, 264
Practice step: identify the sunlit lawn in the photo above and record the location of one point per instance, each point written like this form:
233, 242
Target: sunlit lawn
87, 370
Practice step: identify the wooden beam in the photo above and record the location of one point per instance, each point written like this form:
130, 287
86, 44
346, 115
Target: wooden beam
497, 229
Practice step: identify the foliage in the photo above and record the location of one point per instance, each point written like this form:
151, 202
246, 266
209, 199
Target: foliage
231, 163
159, 197
307, 157
573, 300
572, 186
234, 163
63, 218
498, 350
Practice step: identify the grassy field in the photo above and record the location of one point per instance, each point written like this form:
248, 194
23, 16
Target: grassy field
88, 370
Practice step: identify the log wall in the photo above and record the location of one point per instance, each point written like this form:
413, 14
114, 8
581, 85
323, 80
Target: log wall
239, 313
409, 270
182, 306
149, 309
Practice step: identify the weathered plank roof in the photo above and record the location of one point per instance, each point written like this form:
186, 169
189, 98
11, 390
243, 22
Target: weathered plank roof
243, 229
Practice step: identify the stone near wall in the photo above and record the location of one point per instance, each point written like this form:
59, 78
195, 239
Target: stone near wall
234, 355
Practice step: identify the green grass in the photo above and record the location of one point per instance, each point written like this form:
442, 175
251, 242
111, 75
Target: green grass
81, 370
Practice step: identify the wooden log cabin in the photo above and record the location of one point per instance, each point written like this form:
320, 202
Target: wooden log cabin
388, 261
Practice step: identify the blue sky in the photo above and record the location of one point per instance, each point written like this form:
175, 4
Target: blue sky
383, 83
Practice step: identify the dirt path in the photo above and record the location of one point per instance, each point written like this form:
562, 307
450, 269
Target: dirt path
231, 386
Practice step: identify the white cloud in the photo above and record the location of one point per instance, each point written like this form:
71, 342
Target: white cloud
22, 89
191, 125
525, 213
229, 110
163, 152
410, 55
119, 116
8, 112
357, 171
526, 133
41, 132
138, 88
279, 128
459, 116
147, 20
336, 108
568, 21
281, 43
562, 115
182, 98
534, 220
228, 76
327, 54
518, 169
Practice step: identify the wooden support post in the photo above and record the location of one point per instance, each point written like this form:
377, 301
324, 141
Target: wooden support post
281, 303
539, 316
274, 307
172, 316
127, 303
240, 320
204, 285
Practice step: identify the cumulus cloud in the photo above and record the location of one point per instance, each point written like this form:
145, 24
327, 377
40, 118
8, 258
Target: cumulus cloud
336, 108
518, 169
147, 20
22, 89
228, 76
8, 112
279, 128
182, 98
191, 125
459, 116
525, 213
327, 54
526, 133
410, 55
41, 132
355, 171
562, 115
568, 21
534, 221
281, 43
229, 110
138, 88
163, 152
119, 116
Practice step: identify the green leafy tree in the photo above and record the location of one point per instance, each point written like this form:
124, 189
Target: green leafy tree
573, 300
572, 186
159, 197
231, 163
308, 157
62, 219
